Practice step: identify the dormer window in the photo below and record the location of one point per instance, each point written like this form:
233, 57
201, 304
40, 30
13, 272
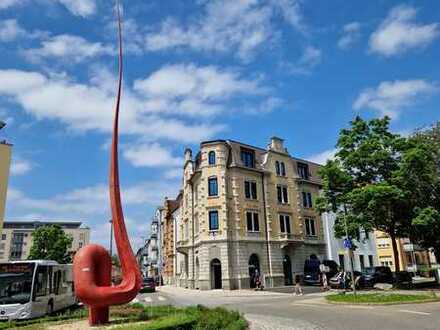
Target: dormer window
248, 157
303, 171
211, 158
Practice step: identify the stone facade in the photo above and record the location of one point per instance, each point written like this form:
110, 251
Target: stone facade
245, 208
5, 162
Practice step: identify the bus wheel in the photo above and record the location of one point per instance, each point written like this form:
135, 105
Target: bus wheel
49, 309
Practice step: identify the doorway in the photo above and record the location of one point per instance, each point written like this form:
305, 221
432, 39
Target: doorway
216, 274
254, 270
287, 267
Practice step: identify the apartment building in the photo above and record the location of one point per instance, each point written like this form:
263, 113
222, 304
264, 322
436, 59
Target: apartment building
412, 257
16, 238
5, 161
167, 240
243, 210
363, 256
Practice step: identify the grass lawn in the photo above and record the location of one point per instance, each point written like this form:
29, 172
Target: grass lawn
140, 317
381, 298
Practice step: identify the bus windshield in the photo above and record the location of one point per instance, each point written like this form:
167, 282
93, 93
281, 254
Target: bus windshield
16, 283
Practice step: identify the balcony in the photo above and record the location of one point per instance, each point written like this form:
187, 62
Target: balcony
290, 239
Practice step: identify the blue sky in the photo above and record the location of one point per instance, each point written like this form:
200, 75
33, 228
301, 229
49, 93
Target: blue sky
196, 70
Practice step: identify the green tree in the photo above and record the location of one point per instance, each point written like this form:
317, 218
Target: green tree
378, 180
51, 243
426, 224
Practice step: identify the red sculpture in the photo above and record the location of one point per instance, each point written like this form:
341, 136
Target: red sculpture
92, 264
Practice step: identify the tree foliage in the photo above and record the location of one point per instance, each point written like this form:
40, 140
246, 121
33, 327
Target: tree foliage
378, 181
51, 243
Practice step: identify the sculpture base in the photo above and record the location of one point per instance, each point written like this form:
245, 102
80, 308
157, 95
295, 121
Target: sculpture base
98, 315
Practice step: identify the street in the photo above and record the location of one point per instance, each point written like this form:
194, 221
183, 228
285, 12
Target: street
274, 310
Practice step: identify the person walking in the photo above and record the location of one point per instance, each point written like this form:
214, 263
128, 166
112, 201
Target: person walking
324, 281
298, 288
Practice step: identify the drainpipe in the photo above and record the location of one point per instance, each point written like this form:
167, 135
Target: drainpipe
269, 259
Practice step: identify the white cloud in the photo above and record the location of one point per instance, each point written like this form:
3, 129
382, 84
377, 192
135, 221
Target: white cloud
10, 30
82, 8
351, 34
20, 166
88, 107
68, 48
89, 201
310, 58
174, 173
399, 33
322, 157
242, 26
150, 155
391, 97
194, 91
9, 3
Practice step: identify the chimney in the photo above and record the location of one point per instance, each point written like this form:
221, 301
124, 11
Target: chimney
188, 155
277, 144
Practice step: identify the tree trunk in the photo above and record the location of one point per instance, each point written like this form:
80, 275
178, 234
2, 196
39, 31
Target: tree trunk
395, 252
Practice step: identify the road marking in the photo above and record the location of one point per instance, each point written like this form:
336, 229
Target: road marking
161, 298
413, 312
311, 305
148, 299
359, 307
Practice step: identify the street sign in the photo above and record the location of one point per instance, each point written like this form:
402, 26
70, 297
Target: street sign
348, 243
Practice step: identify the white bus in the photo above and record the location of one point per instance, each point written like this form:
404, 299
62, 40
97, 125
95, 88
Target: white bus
34, 288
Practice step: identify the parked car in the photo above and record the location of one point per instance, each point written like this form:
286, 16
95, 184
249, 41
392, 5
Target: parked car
403, 280
372, 275
312, 273
336, 283
148, 285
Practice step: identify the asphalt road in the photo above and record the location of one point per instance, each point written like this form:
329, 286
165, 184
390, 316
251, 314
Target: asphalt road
272, 310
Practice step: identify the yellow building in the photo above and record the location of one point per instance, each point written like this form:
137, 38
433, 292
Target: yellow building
412, 258
246, 211
5, 161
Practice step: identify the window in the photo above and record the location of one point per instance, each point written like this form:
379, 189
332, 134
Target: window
283, 169
367, 234
248, 157
361, 261
310, 227
80, 245
3, 237
282, 195
252, 221
213, 220
212, 187
303, 171
277, 168
342, 261
211, 158
307, 199
285, 223
371, 260
250, 189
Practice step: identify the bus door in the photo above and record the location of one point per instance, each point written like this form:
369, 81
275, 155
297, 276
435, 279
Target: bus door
40, 297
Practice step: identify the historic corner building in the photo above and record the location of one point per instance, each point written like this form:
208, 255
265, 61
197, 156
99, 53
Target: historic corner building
5, 161
242, 209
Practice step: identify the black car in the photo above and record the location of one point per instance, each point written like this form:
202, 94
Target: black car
373, 275
148, 285
312, 272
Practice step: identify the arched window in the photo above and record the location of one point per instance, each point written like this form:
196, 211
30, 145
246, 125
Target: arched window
283, 169
277, 167
211, 158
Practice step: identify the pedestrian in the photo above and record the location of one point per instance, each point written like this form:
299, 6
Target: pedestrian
324, 281
298, 288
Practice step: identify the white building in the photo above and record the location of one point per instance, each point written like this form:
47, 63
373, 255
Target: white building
364, 255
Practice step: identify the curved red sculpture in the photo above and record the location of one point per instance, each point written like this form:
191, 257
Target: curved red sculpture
92, 264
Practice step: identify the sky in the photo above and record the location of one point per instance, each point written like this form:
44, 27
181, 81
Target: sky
196, 70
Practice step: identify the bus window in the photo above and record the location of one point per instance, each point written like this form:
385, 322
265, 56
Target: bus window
41, 283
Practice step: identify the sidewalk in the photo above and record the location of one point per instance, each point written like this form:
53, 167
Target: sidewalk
218, 292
